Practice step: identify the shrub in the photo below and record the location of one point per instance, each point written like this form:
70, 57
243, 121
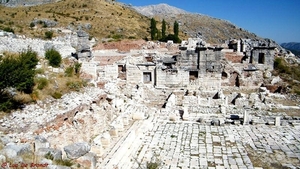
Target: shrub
65, 162
48, 34
74, 85
42, 83
32, 25
8, 29
69, 71
56, 95
77, 67
54, 57
40, 71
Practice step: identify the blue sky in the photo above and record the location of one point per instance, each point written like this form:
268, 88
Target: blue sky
275, 19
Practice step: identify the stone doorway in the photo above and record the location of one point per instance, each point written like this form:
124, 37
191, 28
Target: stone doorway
261, 58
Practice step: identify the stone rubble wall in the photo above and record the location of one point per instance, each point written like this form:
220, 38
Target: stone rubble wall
18, 44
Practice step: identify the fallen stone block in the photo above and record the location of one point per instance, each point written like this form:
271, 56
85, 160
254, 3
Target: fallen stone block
77, 150
40, 142
14, 150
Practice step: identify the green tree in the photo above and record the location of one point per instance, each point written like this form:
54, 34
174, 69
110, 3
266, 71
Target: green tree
54, 57
163, 29
16, 73
153, 29
176, 29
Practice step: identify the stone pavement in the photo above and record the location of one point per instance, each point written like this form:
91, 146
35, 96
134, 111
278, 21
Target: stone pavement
192, 145
185, 144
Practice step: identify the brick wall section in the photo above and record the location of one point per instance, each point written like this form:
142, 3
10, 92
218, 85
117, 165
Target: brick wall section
233, 57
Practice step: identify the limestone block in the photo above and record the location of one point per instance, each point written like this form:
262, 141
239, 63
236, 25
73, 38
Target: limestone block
215, 122
2, 158
246, 118
77, 150
253, 97
113, 132
125, 120
275, 80
277, 121
138, 116
105, 139
223, 109
40, 142
174, 117
186, 115
241, 102
13, 150
118, 125
87, 161
97, 146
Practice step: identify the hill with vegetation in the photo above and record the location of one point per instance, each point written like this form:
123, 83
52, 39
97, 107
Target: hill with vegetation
109, 19
100, 18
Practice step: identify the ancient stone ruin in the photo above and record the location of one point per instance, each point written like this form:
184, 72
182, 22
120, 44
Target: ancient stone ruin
193, 105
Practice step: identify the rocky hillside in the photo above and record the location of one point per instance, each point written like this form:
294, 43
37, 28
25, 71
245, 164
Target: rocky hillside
101, 19
197, 25
14, 3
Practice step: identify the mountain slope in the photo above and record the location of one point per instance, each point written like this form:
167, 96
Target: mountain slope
292, 46
210, 29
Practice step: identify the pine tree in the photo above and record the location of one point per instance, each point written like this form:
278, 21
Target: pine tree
176, 29
153, 30
163, 29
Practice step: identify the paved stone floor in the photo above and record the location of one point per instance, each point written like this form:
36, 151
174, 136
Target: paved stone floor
194, 145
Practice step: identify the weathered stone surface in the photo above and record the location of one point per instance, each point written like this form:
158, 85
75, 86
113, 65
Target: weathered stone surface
40, 142
87, 161
77, 150
2, 159
13, 150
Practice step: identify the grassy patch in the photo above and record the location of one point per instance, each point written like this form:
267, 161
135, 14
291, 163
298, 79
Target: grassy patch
290, 73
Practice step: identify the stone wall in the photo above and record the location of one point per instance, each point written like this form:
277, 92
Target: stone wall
169, 78
234, 57
133, 74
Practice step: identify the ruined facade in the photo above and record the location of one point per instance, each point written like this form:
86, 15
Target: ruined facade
195, 65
